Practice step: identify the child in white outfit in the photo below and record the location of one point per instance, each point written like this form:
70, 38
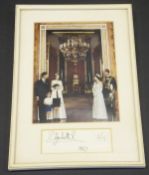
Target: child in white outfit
48, 106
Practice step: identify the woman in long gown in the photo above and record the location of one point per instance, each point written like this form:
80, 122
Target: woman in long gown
99, 109
57, 91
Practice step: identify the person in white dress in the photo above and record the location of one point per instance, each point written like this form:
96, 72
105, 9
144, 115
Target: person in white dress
99, 108
57, 91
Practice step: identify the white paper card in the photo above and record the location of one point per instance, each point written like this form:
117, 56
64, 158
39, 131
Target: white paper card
79, 141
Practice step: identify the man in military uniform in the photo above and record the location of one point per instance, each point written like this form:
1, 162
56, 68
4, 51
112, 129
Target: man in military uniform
109, 92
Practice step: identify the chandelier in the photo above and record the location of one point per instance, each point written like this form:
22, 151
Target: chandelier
74, 49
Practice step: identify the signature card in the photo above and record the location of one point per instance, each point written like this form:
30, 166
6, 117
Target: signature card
76, 141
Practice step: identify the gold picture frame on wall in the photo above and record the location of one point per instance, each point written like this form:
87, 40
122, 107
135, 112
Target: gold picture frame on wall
74, 71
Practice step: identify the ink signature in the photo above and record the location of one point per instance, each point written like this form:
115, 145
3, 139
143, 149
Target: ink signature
83, 144
57, 137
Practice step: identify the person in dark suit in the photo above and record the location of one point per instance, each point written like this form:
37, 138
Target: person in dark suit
41, 90
109, 92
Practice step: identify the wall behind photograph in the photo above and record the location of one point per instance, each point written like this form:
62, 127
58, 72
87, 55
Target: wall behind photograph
7, 19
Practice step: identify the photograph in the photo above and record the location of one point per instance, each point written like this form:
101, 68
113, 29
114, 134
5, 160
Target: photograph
75, 98
75, 77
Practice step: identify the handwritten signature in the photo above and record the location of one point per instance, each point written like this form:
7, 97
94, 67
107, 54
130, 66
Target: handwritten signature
71, 137
57, 137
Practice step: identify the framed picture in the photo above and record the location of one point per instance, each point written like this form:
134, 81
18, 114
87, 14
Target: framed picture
75, 97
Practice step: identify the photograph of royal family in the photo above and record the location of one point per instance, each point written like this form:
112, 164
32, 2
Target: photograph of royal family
50, 99
75, 75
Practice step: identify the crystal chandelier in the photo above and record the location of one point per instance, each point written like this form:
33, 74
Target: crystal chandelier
74, 49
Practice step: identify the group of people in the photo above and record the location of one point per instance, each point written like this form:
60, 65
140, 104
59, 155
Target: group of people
50, 99
104, 96
51, 103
